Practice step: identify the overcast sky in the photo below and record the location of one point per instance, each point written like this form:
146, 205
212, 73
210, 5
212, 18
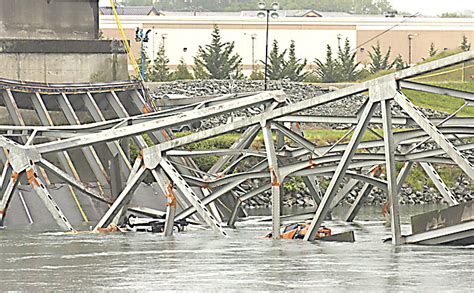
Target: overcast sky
425, 7
432, 7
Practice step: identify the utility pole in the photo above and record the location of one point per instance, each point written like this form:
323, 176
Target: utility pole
264, 11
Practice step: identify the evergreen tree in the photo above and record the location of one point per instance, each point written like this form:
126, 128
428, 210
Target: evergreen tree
257, 75
294, 67
398, 63
378, 60
276, 62
182, 71
160, 70
217, 60
465, 45
200, 72
433, 50
347, 65
327, 71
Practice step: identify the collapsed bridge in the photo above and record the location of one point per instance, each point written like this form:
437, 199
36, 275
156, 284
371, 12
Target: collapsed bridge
67, 161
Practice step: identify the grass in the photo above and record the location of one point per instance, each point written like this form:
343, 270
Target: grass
441, 102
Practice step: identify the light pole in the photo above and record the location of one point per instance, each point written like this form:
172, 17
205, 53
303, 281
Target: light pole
253, 36
410, 38
141, 36
163, 38
153, 42
267, 12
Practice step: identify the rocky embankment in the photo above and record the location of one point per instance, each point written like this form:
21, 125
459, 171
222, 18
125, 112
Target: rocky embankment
299, 195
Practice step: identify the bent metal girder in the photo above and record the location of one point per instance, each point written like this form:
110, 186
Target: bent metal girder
121, 111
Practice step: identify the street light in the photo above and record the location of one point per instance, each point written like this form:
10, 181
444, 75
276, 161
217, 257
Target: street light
163, 38
267, 12
410, 38
142, 37
253, 36
339, 37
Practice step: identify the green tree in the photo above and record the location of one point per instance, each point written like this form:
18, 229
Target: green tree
433, 50
399, 63
327, 71
347, 65
454, 15
182, 72
294, 67
257, 75
276, 62
370, 6
379, 61
159, 70
465, 45
217, 60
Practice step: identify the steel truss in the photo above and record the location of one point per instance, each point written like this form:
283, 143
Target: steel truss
88, 149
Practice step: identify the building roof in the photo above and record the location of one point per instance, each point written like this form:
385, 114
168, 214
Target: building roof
130, 10
199, 13
253, 13
298, 13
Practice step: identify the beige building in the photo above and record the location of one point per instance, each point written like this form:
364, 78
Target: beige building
182, 34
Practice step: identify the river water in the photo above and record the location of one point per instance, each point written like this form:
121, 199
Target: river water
199, 261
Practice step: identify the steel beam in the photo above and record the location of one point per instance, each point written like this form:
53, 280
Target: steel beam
191, 196
242, 199
367, 188
114, 147
360, 199
275, 178
443, 235
299, 139
435, 134
166, 187
439, 183
15, 114
10, 181
121, 112
89, 152
215, 195
45, 119
311, 182
43, 193
390, 149
12, 107
244, 141
401, 121
122, 200
324, 207
358, 203
73, 181
437, 90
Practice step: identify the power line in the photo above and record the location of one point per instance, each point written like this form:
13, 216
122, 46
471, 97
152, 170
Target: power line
386, 31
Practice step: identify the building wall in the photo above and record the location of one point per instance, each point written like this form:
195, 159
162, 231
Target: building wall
444, 37
49, 19
183, 35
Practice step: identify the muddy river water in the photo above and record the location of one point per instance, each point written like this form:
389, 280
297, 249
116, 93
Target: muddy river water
198, 260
